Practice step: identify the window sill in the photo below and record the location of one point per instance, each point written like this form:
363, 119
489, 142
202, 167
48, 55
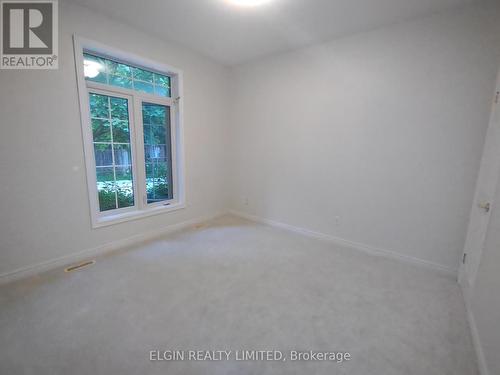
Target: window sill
105, 221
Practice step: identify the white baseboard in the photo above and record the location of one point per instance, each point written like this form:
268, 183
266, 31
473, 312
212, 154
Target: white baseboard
476, 340
102, 249
66, 260
350, 244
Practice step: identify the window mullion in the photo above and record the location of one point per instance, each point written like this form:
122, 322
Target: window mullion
112, 150
133, 146
139, 146
173, 150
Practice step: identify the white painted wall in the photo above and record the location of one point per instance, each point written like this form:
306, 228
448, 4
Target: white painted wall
44, 208
383, 130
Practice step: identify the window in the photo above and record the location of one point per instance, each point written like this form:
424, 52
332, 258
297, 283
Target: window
102, 70
109, 118
156, 125
132, 134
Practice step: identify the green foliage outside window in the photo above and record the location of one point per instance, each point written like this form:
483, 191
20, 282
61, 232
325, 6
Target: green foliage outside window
127, 76
110, 195
111, 134
112, 151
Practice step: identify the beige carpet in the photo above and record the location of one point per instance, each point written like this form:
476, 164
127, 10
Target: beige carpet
235, 285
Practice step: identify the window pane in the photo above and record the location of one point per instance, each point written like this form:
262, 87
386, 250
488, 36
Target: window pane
99, 106
157, 150
124, 175
105, 174
121, 132
112, 151
103, 154
119, 108
107, 197
162, 80
122, 154
162, 91
94, 68
158, 134
144, 87
147, 134
106, 71
101, 130
125, 187
118, 69
157, 182
120, 81
162, 85
106, 188
143, 75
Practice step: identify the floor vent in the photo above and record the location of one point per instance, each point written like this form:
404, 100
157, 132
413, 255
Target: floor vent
79, 266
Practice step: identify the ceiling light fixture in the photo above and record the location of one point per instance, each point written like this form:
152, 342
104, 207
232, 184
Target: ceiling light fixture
248, 3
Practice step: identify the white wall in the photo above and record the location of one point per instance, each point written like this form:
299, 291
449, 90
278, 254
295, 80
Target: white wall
383, 129
44, 208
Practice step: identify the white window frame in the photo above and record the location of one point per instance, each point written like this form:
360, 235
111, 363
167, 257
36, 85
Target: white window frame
135, 99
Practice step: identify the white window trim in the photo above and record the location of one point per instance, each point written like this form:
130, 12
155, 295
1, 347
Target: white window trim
139, 210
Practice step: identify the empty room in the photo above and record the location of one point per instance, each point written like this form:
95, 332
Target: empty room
250, 187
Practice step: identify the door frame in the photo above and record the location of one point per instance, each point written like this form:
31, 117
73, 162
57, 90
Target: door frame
486, 186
